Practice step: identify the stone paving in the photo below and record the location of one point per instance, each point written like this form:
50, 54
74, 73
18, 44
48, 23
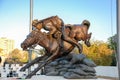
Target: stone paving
43, 77
103, 73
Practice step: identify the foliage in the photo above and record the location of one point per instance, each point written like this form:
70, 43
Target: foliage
99, 52
3, 53
19, 56
113, 42
113, 45
1, 50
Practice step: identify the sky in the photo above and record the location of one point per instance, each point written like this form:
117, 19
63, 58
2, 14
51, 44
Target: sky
14, 16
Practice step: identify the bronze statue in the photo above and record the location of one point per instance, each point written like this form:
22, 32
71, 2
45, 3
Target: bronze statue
55, 26
51, 45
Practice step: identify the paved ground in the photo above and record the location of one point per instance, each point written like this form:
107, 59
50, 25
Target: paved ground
42, 77
110, 71
103, 73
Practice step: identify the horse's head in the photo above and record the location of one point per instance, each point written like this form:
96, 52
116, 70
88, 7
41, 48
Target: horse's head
87, 41
37, 24
30, 40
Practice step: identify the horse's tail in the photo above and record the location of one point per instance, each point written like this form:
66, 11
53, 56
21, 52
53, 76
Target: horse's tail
87, 23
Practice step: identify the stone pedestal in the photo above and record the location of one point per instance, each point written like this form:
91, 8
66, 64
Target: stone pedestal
73, 66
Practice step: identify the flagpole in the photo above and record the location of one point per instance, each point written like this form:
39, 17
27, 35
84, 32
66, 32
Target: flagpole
118, 35
30, 29
31, 15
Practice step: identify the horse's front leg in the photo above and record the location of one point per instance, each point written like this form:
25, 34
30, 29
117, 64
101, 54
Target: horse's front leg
31, 63
80, 48
36, 70
50, 59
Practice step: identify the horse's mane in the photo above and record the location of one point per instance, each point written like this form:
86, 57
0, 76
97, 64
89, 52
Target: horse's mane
40, 34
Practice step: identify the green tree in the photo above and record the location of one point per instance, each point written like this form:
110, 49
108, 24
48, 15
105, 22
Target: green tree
24, 56
113, 45
18, 56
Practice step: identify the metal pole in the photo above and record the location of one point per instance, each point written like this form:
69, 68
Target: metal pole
30, 29
118, 35
31, 15
29, 56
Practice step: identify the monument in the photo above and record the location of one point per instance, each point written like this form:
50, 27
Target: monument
59, 43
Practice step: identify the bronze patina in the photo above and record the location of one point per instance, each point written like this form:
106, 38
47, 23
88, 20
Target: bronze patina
73, 34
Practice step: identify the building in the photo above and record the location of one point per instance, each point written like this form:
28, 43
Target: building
7, 45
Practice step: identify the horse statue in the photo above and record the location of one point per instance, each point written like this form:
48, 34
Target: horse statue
51, 45
55, 26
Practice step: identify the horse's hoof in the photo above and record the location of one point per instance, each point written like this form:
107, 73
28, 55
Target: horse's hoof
22, 69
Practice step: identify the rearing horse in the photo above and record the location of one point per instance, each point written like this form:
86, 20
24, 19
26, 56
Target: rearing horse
51, 45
